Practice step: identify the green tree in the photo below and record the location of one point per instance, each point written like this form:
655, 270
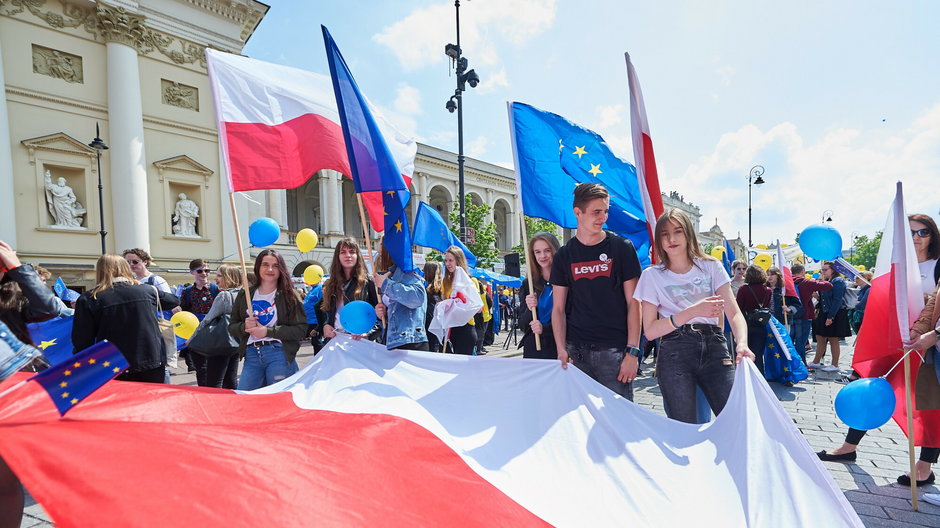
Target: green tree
866, 250
532, 226
483, 247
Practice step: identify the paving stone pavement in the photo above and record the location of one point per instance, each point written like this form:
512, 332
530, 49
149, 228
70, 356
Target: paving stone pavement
869, 484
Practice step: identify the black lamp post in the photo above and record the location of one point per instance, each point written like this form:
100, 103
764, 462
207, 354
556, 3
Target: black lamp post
754, 177
99, 145
827, 215
455, 102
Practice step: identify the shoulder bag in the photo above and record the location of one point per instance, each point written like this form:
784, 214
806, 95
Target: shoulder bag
214, 339
166, 333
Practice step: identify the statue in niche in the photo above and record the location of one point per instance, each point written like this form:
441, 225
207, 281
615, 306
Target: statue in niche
184, 216
63, 206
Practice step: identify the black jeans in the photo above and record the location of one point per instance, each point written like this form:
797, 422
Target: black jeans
756, 339
927, 454
602, 364
422, 347
154, 375
220, 371
463, 340
695, 354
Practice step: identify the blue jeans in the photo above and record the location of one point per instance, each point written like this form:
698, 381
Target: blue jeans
799, 333
264, 365
15, 354
602, 364
694, 355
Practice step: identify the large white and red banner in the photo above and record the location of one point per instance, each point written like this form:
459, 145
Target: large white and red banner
364, 436
279, 125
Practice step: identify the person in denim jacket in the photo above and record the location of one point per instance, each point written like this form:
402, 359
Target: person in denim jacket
683, 298
832, 319
404, 302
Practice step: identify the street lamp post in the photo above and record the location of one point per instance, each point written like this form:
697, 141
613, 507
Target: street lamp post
753, 177
99, 145
827, 215
455, 102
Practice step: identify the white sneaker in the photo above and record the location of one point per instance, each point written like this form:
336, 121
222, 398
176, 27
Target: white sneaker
814, 365
830, 368
932, 498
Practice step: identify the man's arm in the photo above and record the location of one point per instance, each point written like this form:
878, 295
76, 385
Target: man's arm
630, 362
560, 323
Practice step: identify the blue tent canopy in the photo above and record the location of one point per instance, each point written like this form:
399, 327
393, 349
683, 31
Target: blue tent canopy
496, 278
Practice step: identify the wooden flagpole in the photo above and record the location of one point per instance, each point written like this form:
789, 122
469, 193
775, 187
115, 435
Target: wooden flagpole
365, 233
241, 250
525, 244
908, 388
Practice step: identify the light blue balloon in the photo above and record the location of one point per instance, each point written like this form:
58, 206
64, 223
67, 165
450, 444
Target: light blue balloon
866, 403
263, 232
357, 317
821, 242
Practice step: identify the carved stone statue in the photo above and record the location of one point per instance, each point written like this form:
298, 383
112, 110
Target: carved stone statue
179, 95
185, 216
57, 64
63, 206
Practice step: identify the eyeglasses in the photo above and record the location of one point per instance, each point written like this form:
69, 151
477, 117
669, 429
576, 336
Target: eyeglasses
922, 233
135, 262
203, 270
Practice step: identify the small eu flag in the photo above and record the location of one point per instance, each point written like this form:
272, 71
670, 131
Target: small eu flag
64, 292
431, 231
54, 338
72, 381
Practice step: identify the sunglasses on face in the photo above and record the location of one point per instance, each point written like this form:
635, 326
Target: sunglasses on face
201, 271
134, 262
922, 233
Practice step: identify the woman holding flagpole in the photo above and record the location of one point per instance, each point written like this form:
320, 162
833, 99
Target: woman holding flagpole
404, 301
540, 253
463, 338
349, 281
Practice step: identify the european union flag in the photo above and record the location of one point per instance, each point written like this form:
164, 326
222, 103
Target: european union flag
554, 155
782, 362
431, 231
373, 167
727, 257
72, 381
63, 292
54, 338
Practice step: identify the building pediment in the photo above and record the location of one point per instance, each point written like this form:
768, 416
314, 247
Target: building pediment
58, 142
185, 165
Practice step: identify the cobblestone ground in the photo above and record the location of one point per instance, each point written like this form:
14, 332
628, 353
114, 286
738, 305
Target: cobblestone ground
869, 484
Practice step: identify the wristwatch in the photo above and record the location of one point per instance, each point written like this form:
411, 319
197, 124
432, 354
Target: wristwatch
633, 351
937, 331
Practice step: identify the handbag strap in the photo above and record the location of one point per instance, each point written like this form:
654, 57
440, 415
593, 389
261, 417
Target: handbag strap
159, 306
759, 304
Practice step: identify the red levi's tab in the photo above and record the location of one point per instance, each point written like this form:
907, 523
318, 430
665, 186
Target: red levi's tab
592, 269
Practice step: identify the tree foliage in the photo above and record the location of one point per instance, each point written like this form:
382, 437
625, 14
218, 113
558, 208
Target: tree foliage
865, 250
532, 226
484, 247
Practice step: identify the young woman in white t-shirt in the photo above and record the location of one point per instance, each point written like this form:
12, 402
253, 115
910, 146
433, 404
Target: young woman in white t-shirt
683, 298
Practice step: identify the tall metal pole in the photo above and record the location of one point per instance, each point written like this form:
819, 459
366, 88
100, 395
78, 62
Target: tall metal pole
99, 145
460, 158
750, 243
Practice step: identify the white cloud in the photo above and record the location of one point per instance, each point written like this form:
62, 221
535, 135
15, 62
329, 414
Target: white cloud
611, 115
408, 100
477, 147
490, 83
725, 73
418, 39
851, 172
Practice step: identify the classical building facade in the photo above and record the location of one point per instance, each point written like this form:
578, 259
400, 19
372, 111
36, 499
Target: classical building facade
136, 68
711, 238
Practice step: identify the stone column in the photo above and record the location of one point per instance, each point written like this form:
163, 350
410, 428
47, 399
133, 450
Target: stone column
124, 34
323, 180
335, 195
7, 196
513, 228
275, 208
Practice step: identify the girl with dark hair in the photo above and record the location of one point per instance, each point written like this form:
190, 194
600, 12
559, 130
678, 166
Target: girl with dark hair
753, 296
348, 282
270, 337
434, 277
540, 252
403, 301
832, 319
683, 298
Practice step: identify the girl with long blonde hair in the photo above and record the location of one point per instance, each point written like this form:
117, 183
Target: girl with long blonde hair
462, 339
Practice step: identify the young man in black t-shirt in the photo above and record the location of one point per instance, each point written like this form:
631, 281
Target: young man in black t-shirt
595, 320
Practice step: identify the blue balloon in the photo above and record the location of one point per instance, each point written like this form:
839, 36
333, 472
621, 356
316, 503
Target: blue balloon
357, 317
866, 403
263, 232
821, 242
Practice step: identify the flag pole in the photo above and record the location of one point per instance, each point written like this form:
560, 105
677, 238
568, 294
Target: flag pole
241, 250
910, 428
365, 233
525, 236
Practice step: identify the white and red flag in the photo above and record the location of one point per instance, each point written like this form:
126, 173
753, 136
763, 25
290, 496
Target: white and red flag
463, 304
643, 153
365, 436
279, 125
895, 300
789, 286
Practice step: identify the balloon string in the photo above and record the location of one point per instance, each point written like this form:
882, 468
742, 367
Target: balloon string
899, 362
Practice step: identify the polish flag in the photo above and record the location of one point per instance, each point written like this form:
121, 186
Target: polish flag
895, 301
365, 436
643, 155
789, 287
279, 125
463, 304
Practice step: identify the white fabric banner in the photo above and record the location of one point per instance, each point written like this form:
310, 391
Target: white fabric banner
576, 454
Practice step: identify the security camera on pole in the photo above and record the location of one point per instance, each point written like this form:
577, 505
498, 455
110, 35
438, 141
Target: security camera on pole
455, 102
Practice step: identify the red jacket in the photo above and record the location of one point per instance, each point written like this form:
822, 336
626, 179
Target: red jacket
807, 287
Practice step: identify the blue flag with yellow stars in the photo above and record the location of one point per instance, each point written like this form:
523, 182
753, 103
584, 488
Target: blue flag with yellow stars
727, 257
54, 338
782, 363
372, 164
431, 231
554, 155
70, 382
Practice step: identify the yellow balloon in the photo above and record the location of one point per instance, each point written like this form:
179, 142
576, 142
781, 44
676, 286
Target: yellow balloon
184, 324
761, 246
764, 261
313, 274
860, 267
809, 275
717, 252
307, 240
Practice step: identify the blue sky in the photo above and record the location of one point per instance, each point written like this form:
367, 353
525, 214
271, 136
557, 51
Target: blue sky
838, 100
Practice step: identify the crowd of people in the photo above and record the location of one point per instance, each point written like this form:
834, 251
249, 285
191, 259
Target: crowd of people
590, 304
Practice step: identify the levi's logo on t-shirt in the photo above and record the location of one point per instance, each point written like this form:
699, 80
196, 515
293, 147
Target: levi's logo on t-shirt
592, 269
